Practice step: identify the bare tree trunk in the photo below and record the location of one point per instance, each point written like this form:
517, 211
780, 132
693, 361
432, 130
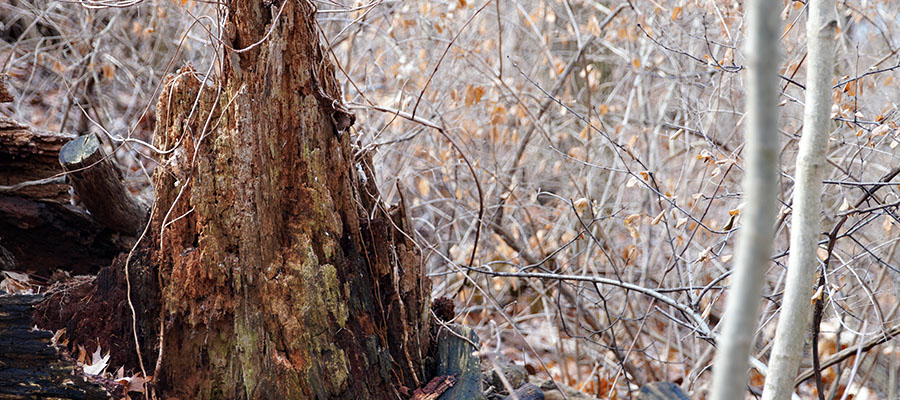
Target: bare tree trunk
282, 274
807, 205
760, 187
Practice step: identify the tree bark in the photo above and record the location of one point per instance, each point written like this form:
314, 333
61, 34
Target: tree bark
760, 185
793, 321
282, 275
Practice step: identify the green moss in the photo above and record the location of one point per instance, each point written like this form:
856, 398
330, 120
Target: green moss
332, 290
335, 366
247, 340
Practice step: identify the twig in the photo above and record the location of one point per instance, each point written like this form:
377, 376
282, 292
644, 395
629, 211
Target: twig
858, 77
443, 133
700, 322
849, 352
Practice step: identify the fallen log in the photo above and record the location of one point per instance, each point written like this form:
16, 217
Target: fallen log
30, 365
39, 226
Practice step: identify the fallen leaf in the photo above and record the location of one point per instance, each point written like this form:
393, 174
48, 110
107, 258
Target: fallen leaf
98, 363
135, 383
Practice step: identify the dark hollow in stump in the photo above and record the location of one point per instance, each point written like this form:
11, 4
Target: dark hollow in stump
98, 182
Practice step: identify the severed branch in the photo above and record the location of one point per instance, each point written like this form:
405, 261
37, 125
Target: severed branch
39, 226
98, 182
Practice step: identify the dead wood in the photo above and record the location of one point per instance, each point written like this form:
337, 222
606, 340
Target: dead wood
39, 226
98, 183
30, 366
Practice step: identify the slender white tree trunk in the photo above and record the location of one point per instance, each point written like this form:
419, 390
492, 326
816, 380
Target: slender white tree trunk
760, 186
807, 205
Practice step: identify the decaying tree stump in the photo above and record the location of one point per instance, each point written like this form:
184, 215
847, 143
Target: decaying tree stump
456, 357
282, 273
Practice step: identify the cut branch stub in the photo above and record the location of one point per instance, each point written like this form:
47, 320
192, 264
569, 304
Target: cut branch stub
98, 182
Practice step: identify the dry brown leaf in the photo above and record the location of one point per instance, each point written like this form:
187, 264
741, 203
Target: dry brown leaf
658, 218
55, 340
478, 93
108, 71
881, 130
603, 109
135, 383
816, 296
581, 204
423, 187
498, 115
845, 205
821, 253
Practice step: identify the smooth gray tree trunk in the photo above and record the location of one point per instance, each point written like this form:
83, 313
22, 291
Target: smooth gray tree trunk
807, 205
760, 187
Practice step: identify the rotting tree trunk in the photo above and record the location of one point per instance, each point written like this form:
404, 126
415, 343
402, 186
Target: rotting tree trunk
282, 275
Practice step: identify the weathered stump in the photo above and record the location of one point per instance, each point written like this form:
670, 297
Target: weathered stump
661, 391
456, 357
